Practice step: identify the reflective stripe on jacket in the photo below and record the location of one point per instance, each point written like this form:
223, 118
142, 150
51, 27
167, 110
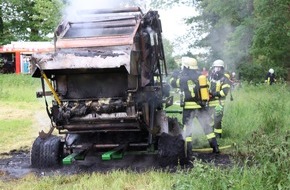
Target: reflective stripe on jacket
194, 105
221, 86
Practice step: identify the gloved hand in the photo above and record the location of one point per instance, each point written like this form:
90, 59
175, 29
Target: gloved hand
219, 109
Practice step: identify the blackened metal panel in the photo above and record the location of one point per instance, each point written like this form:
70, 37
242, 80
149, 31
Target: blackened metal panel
100, 85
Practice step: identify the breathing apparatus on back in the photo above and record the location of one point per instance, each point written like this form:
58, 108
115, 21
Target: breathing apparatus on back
187, 64
203, 90
201, 87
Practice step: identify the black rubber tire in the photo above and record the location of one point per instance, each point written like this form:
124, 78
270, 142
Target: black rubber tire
46, 152
171, 150
35, 152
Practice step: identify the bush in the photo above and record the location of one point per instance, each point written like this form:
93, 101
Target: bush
254, 73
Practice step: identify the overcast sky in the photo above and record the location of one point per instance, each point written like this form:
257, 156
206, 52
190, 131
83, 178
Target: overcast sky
173, 23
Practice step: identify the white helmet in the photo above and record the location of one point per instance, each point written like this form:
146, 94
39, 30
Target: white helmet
271, 71
189, 62
218, 63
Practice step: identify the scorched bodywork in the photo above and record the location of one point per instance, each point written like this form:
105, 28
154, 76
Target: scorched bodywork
106, 77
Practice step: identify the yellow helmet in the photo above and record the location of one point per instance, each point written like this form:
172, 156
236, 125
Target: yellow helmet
218, 63
189, 62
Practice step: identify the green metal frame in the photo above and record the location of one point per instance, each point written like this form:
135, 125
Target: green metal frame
74, 156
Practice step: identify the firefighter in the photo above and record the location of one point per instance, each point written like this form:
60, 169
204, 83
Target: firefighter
270, 77
219, 87
188, 80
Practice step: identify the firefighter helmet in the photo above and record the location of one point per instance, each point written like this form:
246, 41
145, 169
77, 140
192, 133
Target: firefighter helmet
218, 63
271, 71
189, 62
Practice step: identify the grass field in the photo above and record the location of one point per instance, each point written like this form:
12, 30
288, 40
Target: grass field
257, 121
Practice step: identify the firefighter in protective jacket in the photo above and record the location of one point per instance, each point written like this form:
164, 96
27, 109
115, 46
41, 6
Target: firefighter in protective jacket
194, 105
270, 77
220, 85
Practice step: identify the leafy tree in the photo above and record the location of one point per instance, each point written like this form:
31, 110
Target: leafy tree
5, 34
46, 16
168, 50
240, 32
272, 39
1, 25
228, 27
29, 20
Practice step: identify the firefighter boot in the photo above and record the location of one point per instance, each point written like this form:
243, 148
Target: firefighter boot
214, 145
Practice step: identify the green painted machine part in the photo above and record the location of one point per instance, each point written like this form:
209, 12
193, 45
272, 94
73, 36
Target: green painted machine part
111, 155
74, 156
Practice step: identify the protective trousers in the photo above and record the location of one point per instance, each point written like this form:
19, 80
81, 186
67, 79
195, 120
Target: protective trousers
203, 116
218, 115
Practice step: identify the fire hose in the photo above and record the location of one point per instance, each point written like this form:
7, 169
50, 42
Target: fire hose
210, 149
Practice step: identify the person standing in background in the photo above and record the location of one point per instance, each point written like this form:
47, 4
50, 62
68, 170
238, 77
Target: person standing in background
204, 72
270, 77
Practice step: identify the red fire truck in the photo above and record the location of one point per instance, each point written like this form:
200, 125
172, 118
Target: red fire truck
15, 57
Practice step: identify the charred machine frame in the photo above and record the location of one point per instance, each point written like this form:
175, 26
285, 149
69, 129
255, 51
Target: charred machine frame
106, 80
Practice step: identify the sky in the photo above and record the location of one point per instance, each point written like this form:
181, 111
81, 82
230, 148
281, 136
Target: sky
173, 21
173, 26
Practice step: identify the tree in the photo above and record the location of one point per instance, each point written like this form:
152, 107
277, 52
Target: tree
46, 16
29, 20
240, 31
1, 24
168, 49
272, 38
5, 35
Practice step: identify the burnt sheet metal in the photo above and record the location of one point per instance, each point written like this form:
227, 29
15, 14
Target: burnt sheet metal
97, 28
73, 37
74, 60
95, 42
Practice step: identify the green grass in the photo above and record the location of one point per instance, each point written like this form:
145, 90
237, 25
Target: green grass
18, 108
257, 121
117, 180
18, 88
15, 134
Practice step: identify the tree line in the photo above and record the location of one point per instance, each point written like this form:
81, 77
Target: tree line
244, 33
250, 35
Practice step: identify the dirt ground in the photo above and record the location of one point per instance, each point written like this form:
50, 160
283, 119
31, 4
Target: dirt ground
16, 164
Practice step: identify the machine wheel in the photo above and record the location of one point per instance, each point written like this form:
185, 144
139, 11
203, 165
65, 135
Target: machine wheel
46, 152
171, 151
35, 152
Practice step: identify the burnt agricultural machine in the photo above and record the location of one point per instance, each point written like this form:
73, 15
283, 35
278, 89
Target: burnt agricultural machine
108, 94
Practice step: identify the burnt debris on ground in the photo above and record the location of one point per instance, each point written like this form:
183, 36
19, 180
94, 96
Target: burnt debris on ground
16, 164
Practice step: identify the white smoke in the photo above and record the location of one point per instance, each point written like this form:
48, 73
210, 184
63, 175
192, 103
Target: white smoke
195, 130
71, 12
